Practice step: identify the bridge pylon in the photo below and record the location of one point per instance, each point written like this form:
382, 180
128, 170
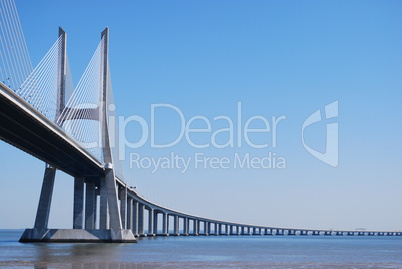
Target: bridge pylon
86, 187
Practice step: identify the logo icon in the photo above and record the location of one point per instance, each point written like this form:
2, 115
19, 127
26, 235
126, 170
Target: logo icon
330, 156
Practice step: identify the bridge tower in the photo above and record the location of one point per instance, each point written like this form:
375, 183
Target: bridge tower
86, 187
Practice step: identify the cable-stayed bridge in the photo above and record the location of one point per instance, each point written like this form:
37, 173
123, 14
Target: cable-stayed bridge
72, 129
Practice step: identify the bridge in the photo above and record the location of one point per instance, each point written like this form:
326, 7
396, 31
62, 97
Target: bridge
71, 129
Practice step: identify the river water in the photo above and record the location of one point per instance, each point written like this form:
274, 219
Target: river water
207, 252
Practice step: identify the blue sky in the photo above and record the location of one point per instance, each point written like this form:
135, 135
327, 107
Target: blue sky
278, 58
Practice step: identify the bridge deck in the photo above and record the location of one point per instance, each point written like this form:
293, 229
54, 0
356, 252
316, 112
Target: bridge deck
27, 129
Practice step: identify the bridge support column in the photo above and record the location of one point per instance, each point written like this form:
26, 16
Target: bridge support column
150, 222
90, 205
197, 224
112, 201
176, 225
185, 226
78, 210
194, 227
123, 206
135, 218
155, 226
197, 227
45, 200
208, 228
165, 224
141, 220
104, 216
129, 213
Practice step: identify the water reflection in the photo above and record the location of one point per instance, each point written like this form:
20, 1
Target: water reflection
80, 256
44, 265
76, 255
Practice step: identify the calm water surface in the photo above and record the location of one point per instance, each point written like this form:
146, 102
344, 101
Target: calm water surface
207, 252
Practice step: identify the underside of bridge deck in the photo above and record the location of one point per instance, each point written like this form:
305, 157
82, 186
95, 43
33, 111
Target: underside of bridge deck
28, 132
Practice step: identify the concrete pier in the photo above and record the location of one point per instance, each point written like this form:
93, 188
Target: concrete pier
78, 210
45, 200
77, 236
